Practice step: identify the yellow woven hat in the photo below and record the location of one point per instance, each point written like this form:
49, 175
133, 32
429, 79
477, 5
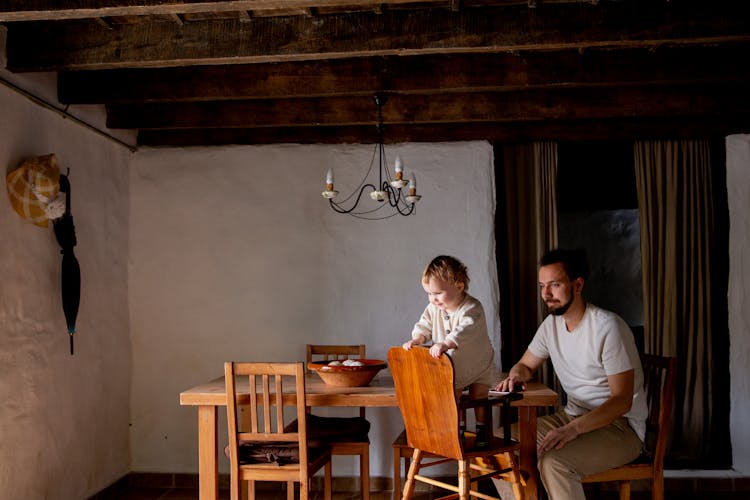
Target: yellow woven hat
33, 189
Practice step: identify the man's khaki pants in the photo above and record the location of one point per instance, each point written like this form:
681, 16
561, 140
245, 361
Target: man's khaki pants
561, 470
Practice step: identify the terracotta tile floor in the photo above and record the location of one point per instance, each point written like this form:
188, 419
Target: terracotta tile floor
156, 486
154, 493
144, 493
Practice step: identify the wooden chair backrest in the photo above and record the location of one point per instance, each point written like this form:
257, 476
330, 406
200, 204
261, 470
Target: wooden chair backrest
324, 352
321, 352
424, 389
659, 378
265, 422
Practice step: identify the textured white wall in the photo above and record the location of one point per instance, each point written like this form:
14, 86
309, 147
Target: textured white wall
738, 192
63, 419
236, 256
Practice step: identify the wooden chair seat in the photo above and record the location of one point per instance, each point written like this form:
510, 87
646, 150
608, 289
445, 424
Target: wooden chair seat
335, 430
424, 389
659, 374
631, 471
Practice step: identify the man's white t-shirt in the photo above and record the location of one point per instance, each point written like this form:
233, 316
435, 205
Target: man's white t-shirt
601, 345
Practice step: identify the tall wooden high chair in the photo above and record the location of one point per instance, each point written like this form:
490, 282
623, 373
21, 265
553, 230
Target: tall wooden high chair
424, 388
341, 432
266, 450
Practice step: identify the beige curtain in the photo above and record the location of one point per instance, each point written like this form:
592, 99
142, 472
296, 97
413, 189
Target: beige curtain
676, 201
526, 228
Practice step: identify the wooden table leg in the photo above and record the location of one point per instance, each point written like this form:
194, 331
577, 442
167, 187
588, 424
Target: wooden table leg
208, 467
527, 435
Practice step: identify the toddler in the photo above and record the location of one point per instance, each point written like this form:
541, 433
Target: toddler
454, 321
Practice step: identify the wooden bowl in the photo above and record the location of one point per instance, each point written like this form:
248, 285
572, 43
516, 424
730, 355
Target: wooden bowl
348, 376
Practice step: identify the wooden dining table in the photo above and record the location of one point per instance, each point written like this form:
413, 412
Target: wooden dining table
208, 397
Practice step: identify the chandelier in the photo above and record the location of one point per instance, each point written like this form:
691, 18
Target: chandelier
388, 197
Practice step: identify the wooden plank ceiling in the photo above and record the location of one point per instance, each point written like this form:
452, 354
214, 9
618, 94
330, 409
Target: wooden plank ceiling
191, 72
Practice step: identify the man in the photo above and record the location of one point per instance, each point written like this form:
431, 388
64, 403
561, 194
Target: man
595, 358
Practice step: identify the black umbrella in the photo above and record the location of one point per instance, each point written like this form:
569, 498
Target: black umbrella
71, 272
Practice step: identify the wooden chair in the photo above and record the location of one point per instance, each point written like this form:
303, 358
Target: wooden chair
265, 450
659, 380
346, 443
424, 389
401, 451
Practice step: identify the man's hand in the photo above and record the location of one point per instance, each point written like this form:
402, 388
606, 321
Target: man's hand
557, 438
520, 373
507, 384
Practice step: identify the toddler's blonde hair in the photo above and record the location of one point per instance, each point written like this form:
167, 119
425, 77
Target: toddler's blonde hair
448, 269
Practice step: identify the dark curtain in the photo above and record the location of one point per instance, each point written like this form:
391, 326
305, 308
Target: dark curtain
526, 227
684, 249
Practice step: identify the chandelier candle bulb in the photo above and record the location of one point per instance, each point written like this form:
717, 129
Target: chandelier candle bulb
329, 192
413, 197
399, 182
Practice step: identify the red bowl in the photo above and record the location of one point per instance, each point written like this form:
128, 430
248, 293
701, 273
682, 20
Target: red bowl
348, 376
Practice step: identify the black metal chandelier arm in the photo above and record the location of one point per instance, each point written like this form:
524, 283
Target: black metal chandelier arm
411, 209
396, 199
341, 210
362, 217
393, 195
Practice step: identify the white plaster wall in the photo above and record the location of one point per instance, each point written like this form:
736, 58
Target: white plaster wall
236, 256
738, 192
63, 418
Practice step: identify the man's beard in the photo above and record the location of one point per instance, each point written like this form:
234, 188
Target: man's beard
560, 310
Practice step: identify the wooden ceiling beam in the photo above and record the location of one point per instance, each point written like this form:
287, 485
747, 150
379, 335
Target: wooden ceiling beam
56, 10
410, 74
497, 107
79, 45
563, 130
